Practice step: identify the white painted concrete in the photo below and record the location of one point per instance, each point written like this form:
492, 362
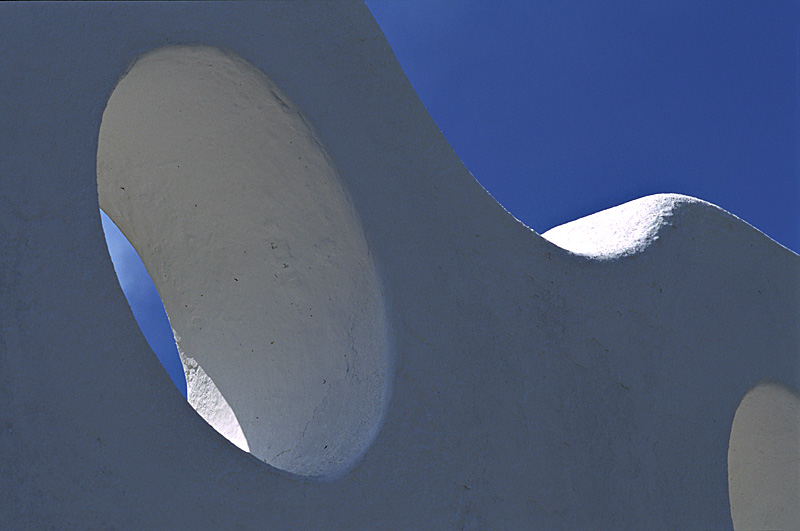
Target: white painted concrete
256, 249
503, 382
620, 231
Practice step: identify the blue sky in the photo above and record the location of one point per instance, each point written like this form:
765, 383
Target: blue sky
144, 301
564, 108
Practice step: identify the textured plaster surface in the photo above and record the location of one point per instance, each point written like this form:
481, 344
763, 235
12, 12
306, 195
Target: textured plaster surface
505, 382
257, 251
764, 460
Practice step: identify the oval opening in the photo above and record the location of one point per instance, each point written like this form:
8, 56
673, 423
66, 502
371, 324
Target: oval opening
250, 237
764, 460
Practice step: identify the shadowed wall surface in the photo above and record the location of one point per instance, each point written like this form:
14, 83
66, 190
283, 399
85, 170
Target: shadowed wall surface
514, 384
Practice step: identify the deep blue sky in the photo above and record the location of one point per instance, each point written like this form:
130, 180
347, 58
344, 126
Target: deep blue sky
564, 108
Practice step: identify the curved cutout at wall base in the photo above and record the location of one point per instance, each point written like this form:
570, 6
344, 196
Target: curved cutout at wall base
764, 460
257, 252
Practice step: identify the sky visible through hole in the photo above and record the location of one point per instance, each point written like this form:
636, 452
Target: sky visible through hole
563, 109
148, 310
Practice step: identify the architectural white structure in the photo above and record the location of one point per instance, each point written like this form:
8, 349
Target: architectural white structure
387, 347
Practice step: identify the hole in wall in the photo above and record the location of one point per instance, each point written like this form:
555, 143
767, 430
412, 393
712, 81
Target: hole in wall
250, 237
148, 310
764, 459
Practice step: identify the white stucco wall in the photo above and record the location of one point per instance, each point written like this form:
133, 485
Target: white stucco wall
257, 251
502, 381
